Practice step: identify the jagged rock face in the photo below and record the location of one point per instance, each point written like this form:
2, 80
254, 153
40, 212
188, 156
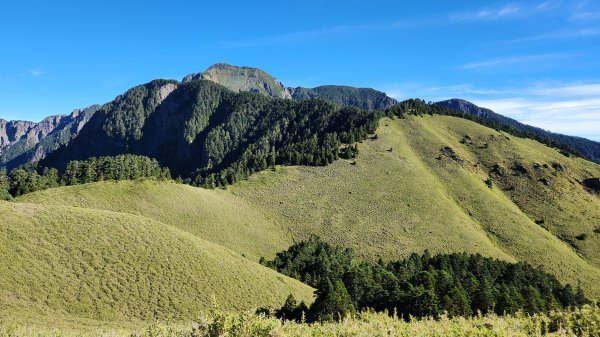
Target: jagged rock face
242, 79
24, 142
14, 131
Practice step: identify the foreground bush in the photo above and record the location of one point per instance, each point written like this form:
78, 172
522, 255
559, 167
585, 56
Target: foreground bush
579, 322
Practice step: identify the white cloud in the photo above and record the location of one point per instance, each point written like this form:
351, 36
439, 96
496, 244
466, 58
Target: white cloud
580, 117
499, 62
584, 11
36, 72
315, 34
567, 108
507, 11
563, 34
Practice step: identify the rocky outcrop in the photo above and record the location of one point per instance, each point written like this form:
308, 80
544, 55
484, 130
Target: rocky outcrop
242, 79
252, 79
24, 142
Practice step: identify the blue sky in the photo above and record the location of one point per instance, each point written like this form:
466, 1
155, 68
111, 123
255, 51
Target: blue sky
536, 61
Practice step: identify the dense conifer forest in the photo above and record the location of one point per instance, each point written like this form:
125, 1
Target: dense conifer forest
423, 285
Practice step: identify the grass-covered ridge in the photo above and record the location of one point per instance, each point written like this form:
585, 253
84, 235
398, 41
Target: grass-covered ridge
420, 184
61, 261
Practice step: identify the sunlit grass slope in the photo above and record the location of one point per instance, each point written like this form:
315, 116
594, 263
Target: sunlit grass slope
420, 184
60, 261
417, 186
214, 215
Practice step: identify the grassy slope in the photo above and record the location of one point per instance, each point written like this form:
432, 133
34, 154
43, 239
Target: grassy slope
214, 215
60, 261
391, 203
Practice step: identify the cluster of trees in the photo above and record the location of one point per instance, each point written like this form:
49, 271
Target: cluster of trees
262, 132
364, 98
420, 107
26, 178
423, 285
214, 137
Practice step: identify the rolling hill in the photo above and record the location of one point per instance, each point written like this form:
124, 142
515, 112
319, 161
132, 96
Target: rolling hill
420, 184
62, 263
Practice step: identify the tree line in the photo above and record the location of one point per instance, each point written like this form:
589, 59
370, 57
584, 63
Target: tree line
419, 107
422, 285
26, 178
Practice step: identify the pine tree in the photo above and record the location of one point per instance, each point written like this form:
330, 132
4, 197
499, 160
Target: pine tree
506, 304
333, 302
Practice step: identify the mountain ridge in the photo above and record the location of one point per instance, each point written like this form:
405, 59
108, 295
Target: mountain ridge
23, 142
588, 148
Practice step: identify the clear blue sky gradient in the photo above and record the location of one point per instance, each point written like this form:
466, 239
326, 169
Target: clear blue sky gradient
536, 61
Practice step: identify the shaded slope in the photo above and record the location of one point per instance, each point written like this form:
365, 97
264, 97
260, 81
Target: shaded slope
363, 98
588, 148
117, 267
212, 136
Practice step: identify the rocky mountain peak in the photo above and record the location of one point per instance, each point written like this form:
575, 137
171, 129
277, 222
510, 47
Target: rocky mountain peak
242, 79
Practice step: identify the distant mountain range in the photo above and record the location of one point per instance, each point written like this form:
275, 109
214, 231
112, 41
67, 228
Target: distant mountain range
587, 148
25, 142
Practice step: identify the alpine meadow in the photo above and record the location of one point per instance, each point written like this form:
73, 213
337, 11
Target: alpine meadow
228, 203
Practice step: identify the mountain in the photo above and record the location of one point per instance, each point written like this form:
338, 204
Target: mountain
24, 142
242, 79
387, 183
255, 80
422, 183
364, 98
206, 133
587, 148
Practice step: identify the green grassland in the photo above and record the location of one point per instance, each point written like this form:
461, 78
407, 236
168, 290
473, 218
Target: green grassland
61, 261
420, 184
214, 215
405, 193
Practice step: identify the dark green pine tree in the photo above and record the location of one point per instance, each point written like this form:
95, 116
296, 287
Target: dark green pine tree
506, 303
484, 297
459, 302
333, 302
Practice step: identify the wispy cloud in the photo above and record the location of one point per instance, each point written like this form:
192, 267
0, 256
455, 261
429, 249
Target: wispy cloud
563, 34
579, 117
506, 11
499, 62
36, 72
585, 11
568, 108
